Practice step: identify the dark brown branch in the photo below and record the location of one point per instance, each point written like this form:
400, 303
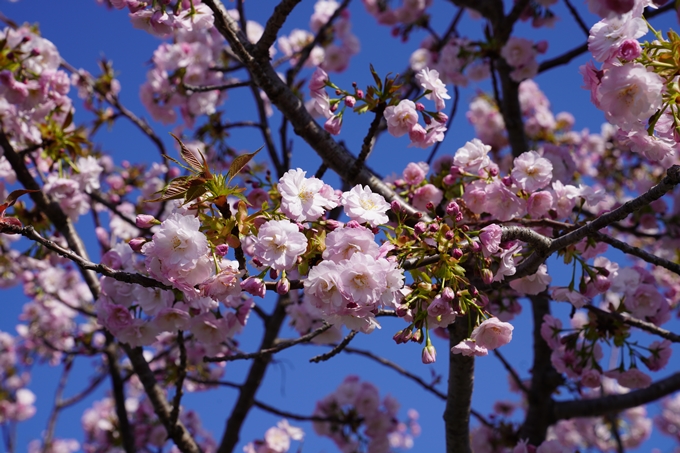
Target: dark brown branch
178, 432
204, 88
577, 17
459, 392
273, 26
246, 397
368, 143
531, 264
563, 59
634, 322
272, 349
595, 407
293, 108
118, 390
181, 375
512, 371
336, 350
544, 378
304, 418
127, 277
635, 251
52, 421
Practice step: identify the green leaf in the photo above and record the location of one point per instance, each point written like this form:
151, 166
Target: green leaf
239, 162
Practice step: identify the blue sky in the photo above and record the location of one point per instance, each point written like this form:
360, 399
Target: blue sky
84, 32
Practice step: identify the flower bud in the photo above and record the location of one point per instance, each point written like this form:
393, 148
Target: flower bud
433, 227
146, 221
360, 94
254, 286
452, 208
487, 276
395, 206
350, 101
457, 253
283, 286
420, 107
429, 354
221, 250
417, 336
420, 228
136, 244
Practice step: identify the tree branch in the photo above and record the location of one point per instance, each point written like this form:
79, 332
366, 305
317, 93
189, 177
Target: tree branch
564, 410
273, 26
459, 394
634, 322
293, 108
333, 352
271, 349
247, 392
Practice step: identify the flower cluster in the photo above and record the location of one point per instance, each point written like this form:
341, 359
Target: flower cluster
356, 404
276, 439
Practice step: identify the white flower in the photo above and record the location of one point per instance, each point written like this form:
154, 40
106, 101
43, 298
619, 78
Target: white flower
531, 171
304, 199
364, 206
473, 156
178, 243
429, 80
279, 243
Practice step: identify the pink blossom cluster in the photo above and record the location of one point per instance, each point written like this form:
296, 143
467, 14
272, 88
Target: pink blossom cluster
161, 19
520, 54
403, 118
332, 55
50, 323
357, 404
16, 401
35, 90
178, 255
629, 92
407, 13
454, 61
189, 60
101, 427
354, 280
277, 439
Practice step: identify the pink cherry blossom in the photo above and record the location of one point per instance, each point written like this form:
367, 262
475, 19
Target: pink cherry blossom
630, 94
531, 171
303, 199
401, 118
279, 243
429, 80
469, 348
364, 206
517, 52
492, 333
473, 156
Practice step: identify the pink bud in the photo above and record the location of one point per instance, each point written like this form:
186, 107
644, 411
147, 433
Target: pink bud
350, 101
420, 228
420, 107
254, 286
457, 254
360, 94
429, 354
146, 221
541, 46
487, 276
221, 250
283, 286
137, 243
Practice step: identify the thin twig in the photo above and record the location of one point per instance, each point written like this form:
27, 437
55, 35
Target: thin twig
273, 350
577, 17
635, 251
634, 322
452, 115
304, 418
512, 371
336, 350
226, 86
127, 277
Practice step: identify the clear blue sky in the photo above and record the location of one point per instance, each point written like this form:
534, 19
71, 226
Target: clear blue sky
84, 32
